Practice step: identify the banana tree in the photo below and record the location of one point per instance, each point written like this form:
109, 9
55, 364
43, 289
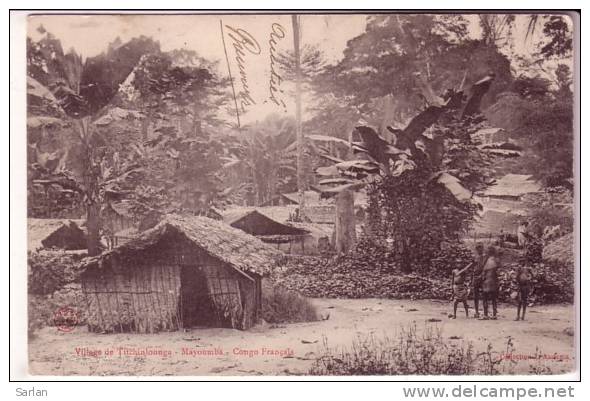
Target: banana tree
60, 86
81, 165
394, 152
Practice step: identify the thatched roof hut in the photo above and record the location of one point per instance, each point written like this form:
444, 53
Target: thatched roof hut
272, 224
184, 272
561, 250
260, 225
55, 233
279, 200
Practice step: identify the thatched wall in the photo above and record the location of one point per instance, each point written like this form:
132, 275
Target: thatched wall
143, 291
142, 299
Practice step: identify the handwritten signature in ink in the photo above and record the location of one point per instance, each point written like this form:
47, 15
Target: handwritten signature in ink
274, 86
243, 43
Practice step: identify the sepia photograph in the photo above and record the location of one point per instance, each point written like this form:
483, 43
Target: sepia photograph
301, 194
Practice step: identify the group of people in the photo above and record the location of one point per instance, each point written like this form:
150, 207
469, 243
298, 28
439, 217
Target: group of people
484, 285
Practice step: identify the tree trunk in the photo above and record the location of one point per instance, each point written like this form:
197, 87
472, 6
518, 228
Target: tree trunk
90, 178
405, 259
93, 228
345, 227
300, 162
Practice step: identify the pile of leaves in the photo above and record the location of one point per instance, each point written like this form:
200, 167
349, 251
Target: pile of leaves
552, 283
451, 256
375, 274
352, 277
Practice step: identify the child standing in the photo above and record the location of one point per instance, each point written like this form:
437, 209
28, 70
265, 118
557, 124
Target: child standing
460, 290
523, 277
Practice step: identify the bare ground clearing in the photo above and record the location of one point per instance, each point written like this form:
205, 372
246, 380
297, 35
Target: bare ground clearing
292, 348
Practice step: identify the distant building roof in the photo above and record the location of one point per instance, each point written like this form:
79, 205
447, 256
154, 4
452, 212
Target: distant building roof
55, 233
310, 197
279, 199
257, 223
513, 185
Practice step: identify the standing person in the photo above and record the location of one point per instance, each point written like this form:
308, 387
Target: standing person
522, 233
460, 289
490, 283
476, 280
523, 278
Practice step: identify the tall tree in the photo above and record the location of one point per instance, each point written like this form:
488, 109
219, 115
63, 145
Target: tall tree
300, 154
383, 61
262, 160
557, 39
180, 94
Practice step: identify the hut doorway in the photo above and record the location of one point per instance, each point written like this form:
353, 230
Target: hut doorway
197, 308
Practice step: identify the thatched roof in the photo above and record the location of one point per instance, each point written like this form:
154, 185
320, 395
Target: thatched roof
561, 250
257, 223
277, 213
40, 229
279, 199
310, 197
228, 244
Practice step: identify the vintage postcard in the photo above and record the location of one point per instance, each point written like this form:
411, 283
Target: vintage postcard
310, 194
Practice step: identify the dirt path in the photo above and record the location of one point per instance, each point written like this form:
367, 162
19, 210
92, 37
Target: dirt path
291, 349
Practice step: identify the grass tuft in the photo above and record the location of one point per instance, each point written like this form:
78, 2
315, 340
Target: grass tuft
283, 306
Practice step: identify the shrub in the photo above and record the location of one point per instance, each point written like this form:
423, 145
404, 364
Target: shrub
42, 308
282, 306
49, 271
410, 354
52, 277
416, 216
